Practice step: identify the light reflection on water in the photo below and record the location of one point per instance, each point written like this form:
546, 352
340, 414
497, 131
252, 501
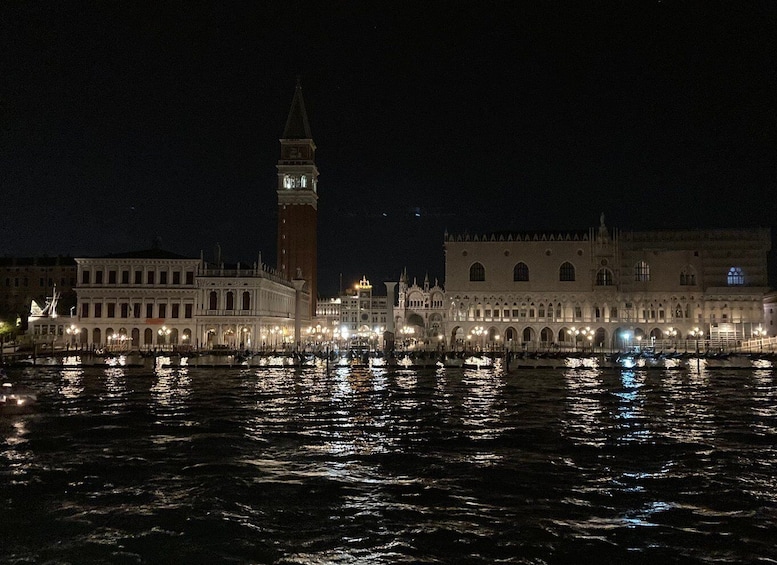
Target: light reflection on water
363, 465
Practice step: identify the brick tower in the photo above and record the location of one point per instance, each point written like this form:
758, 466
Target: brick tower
298, 200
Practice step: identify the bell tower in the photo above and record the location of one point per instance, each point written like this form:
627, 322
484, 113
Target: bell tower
298, 200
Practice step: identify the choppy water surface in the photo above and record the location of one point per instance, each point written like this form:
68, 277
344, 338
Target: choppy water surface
357, 466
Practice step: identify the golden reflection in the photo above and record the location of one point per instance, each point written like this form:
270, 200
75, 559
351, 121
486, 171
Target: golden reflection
171, 390
72, 385
584, 423
17, 460
688, 413
482, 411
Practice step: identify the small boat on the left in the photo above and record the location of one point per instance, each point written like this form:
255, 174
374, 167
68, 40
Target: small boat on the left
13, 401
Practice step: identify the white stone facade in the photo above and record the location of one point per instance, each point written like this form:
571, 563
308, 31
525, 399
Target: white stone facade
159, 300
605, 288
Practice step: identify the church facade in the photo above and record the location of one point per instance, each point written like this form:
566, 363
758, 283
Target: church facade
605, 288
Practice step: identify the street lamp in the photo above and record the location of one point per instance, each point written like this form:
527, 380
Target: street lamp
164, 332
588, 335
574, 332
477, 331
760, 333
696, 333
672, 333
72, 331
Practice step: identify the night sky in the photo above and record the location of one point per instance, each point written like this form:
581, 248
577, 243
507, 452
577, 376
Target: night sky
126, 121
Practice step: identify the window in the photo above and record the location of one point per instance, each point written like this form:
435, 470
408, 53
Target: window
149, 310
687, 277
136, 310
163, 277
138, 277
521, 272
230, 300
566, 272
189, 277
213, 300
125, 277
604, 277
578, 313
176, 310
124, 310
641, 272
111, 277
176, 277
246, 300
98, 277
614, 313
163, 310
187, 310
150, 277
85, 310
477, 273
98, 310
735, 277
111, 310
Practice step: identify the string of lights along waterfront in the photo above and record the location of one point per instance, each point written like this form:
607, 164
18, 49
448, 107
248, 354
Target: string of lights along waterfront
381, 466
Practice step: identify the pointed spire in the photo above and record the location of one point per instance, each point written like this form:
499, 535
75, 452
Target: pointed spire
297, 126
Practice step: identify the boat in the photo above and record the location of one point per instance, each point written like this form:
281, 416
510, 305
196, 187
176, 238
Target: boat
13, 401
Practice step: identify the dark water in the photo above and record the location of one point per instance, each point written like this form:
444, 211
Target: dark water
365, 467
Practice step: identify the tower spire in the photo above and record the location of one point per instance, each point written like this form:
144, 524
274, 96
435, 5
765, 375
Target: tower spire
297, 126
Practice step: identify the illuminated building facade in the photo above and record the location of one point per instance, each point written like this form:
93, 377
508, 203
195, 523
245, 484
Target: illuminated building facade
155, 299
421, 311
249, 308
136, 300
298, 201
357, 315
606, 288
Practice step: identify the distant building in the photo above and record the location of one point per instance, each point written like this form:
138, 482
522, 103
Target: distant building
356, 317
605, 288
249, 308
155, 299
24, 279
421, 313
137, 300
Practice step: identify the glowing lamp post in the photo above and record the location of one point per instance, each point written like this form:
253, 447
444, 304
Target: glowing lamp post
696, 334
573, 333
672, 333
72, 331
588, 336
164, 333
477, 331
760, 333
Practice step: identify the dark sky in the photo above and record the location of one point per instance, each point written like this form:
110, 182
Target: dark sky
122, 121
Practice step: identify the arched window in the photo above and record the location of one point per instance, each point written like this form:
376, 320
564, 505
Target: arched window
246, 300
687, 277
477, 272
604, 277
735, 276
230, 300
213, 300
521, 272
566, 272
642, 272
